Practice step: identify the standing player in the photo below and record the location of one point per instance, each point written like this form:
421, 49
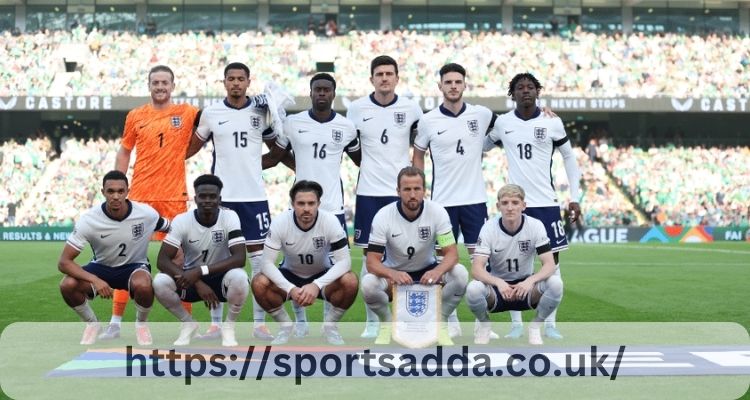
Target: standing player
308, 238
530, 138
509, 244
385, 123
159, 132
213, 272
118, 231
319, 137
238, 127
454, 133
407, 231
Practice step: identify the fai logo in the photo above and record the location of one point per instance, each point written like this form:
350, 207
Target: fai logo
682, 106
540, 134
473, 126
524, 246
10, 104
177, 121
217, 236
319, 242
416, 302
399, 118
137, 231
337, 135
424, 232
255, 122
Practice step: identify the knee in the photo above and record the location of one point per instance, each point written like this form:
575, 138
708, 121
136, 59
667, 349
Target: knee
475, 291
370, 285
141, 283
259, 284
68, 285
163, 284
458, 275
349, 282
237, 279
554, 286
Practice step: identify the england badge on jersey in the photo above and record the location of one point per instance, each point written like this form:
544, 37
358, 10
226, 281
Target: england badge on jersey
416, 310
176, 121
473, 126
337, 135
217, 236
399, 118
540, 134
137, 231
424, 232
319, 242
255, 122
524, 246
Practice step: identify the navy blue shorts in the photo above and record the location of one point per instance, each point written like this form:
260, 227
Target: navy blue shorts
117, 277
364, 212
255, 219
469, 220
342, 221
552, 221
515, 305
214, 281
416, 276
300, 281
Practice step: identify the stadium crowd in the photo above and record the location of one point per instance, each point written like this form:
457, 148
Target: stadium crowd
585, 64
712, 187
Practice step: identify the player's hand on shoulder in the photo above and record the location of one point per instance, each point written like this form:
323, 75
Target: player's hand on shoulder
102, 289
548, 112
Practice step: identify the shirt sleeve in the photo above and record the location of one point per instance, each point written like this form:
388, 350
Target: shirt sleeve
273, 238
234, 229
283, 140
483, 242
443, 221
422, 141
379, 228
79, 237
204, 130
129, 134
174, 237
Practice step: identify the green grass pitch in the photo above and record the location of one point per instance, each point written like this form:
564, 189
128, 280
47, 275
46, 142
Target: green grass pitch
607, 283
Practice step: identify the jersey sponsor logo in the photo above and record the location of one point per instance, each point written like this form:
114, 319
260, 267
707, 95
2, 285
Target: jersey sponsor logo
424, 232
524, 246
416, 302
137, 231
399, 118
337, 135
176, 121
367, 119
104, 236
217, 236
255, 122
540, 134
473, 126
222, 122
442, 132
319, 242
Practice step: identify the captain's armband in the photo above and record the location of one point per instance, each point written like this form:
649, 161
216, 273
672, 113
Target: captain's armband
446, 239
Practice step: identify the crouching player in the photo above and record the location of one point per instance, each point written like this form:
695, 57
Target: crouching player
509, 243
308, 237
214, 248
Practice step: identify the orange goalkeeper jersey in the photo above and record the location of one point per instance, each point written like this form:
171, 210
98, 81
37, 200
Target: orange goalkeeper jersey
160, 139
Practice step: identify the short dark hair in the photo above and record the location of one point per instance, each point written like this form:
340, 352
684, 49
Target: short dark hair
410, 171
160, 68
306, 186
452, 67
208, 179
237, 65
323, 76
518, 77
382, 60
114, 175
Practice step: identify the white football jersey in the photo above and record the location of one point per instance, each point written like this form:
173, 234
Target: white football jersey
205, 245
306, 252
529, 146
455, 143
409, 245
511, 254
384, 133
318, 148
237, 135
118, 242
